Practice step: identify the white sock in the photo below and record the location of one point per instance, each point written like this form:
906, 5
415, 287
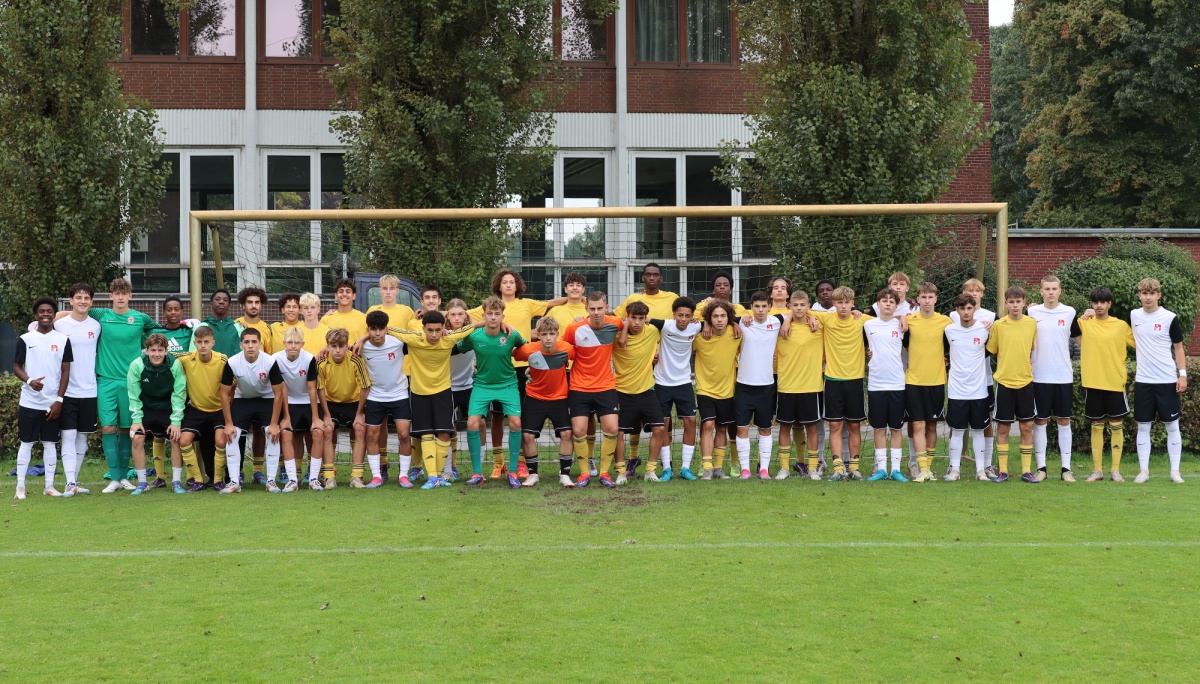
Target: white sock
1174, 444
1039, 444
81, 445
912, 452
290, 468
24, 456
895, 456
989, 447
68, 455
664, 457
50, 458
271, 452
176, 474
233, 457
1064, 445
821, 428
688, 451
979, 445
314, 469
1143, 446
880, 458
956, 445
373, 461
764, 451
743, 452
405, 464
141, 475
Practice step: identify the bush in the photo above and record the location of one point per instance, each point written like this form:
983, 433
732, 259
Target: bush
1152, 251
10, 394
1080, 277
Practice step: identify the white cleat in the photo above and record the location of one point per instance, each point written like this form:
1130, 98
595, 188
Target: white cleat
782, 474
20, 495
815, 475
982, 476
531, 481
231, 488
592, 470
127, 485
1143, 476
1116, 477
566, 481
621, 479
951, 476
651, 477
1176, 477
51, 491
112, 487
1096, 476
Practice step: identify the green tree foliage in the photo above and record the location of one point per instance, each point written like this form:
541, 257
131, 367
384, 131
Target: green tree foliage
855, 102
1115, 129
79, 170
1010, 72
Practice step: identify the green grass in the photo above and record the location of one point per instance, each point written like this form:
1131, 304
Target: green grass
704, 581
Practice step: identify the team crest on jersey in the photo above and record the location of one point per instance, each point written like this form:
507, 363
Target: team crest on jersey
262, 376
54, 347
391, 356
129, 320
770, 326
975, 341
503, 340
1158, 327
895, 333
303, 372
91, 334
1061, 323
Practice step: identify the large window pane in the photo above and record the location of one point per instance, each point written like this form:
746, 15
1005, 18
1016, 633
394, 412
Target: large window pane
212, 28
708, 239
331, 13
289, 186
288, 28
584, 32
539, 283
656, 25
161, 246
280, 280
655, 187
534, 240
212, 188
583, 186
597, 279
709, 30
153, 30
149, 280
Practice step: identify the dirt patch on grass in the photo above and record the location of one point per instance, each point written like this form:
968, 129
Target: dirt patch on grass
592, 503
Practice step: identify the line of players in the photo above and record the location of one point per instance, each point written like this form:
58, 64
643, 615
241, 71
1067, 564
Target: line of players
627, 371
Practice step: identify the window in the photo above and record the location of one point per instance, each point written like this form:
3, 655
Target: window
289, 186
662, 28
583, 186
297, 28
209, 28
582, 34
708, 239
160, 246
655, 187
212, 188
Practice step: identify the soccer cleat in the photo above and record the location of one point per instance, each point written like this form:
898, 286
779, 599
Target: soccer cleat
258, 478
375, 483
453, 474
443, 482
1176, 477
564, 480
951, 476
720, 474
666, 475
1096, 476
112, 487
522, 470
416, 473
315, 485
856, 475
291, 486
330, 483
498, 471
531, 481
356, 483
632, 466
478, 479
582, 480
897, 476
513, 481
878, 475
20, 495
177, 487
706, 474
1142, 477
1030, 478
51, 491
607, 481
782, 474
76, 489
622, 479
983, 476
1001, 477
231, 488
218, 486
272, 487
1040, 475
404, 482
1116, 477
838, 476
139, 489
745, 474
914, 471
764, 474
127, 485
800, 468
592, 471
195, 486
430, 483
157, 484
1067, 476
651, 477
68, 492
992, 472
814, 475
687, 474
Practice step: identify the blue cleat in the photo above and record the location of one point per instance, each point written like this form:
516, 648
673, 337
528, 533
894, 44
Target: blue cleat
430, 483
258, 479
177, 487
607, 481
513, 481
444, 482
415, 474
666, 475
1000, 477
139, 489
582, 480
878, 475
476, 479
896, 475
687, 474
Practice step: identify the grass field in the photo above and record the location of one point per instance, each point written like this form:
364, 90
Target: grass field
684, 581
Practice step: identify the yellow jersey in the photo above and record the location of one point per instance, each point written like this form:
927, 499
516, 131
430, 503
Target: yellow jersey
738, 310
343, 382
926, 342
519, 315
845, 350
399, 315
1103, 348
566, 314
1012, 344
264, 333
659, 304
716, 364
779, 311
429, 370
203, 379
314, 338
354, 321
634, 363
799, 359
275, 333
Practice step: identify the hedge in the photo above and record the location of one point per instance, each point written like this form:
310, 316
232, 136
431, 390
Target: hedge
10, 394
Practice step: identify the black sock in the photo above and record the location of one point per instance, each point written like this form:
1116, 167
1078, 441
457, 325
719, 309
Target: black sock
531, 464
564, 464
1042, 469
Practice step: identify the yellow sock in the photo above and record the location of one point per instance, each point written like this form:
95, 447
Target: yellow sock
838, 466
159, 449
1026, 458
620, 467
706, 462
1117, 430
651, 467
1002, 455
1098, 447
853, 464
188, 453
582, 453
635, 442
591, 445
608, 449
929, 454
923, 462
417, 454
327, 471
814, 461
719, 456
356, 470
785, 456
429, 455
441, 449
219, 463
383, 459
498, 455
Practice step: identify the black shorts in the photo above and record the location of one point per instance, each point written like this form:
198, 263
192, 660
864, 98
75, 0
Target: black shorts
991, 397
522, 379
638, 411
803, 408
719, 410
201, 422
1154, 400
301, 418
462, 403
79, 413
844, 400
155, 422
343, 413
1053, 399
535, 412
975, 414
754, 400
605, 403
432, 413
886, 409
681, 397
925, 403
376, 412
1099, 404
247, 413
1014, 405
33, 426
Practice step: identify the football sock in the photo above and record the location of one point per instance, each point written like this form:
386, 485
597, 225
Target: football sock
328, 472
837, 465
474, 446
743, 452
651, 467
894, 455
689, 451
1174, 444
564, 464
233, 458
719, 456
108, 441
989, 449
608, 447
273, 468
427, 455
24, 456
956, 444
582, 453
1064, 445
177, 475
50, 458
1143, 446
1097, 447
405, 464
1117, 434
1002, 454
219, 463
383, 456
929, 454
158, 449
141, 475
814, 461
785, 456
621, 467
706, 461
188, 454
880, 459
514, 450
1026, 457
272, 452
356, 470
977, 442
441, 448
314, 469
765, 444
81, 445
290, 468
913, 455
1039, 444
68, 455
373, 463
124, 451
498, 455
635, 442
664, 457
854, 463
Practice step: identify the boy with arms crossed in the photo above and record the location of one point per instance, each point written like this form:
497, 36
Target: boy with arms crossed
968, 382
43, 363
546, 398
1012, 340
925, 379
633, 362
1103, 342
885, 389
1161, 376
252, 393
299, 371
1053, 375
799, 401
716, 359
342, 388
157, 396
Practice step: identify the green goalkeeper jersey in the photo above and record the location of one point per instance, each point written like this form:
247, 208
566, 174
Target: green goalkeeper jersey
493, 357
121, 337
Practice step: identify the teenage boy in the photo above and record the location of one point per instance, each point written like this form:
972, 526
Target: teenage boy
315, 332
633, 364
299, 371
43, 363
824, 302
1161, 376
575, 287
976, 290
80, 417
252, 393
387, 396
673, 381
496, 381
226, 332
967, 385
345, 315
177, 330
754, 391
780, 290
1103, 347
203, 368
799, 401
1053, 375
593, 387
845, 361
546, 398
900, 283
399, 315
251, 300
289, 308
716, 357
1012, 341
722, 290
157, 395
885, 388
925, 379
342, 388
462, 381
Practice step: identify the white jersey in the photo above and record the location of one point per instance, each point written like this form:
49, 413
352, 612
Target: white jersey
42, 356
385, 366
83, 335
297, 374
675, 354
886, 368
969, 376
816, 306
1155, 334
251, 380
902, 309
981, 316
756, 360
1052, 349
462, 371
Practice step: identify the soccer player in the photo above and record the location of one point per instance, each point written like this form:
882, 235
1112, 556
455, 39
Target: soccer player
780, 290
799, 400
388, 395
157, 395
593, 388
300, 374
824, 302
314, 330
1012, 341
399, 315
252, 393
203, 368
546, 398
925, 379
633, 363
1103, 342
716, 357
967, 386
754, 391
175, 329
345, 315
251, 300
1053, 375
976, 290
673, 381
575, 287
885, 388
226, 331
289, 308
462, 380
79, 416
722, 289
43, 364
1161, 376
900, 284
343, 385
431, 300
845, 360
495, 382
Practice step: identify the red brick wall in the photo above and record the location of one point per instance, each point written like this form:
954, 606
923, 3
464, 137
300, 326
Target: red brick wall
186, 85
594, 90
293, 86
687, 90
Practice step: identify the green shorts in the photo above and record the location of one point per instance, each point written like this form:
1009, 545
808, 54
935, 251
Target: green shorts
112, 402
483, 396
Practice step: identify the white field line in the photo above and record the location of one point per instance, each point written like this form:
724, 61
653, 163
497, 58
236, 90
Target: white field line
583, 548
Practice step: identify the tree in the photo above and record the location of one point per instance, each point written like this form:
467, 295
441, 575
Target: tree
1115, 130
79, 172
1010, 72
452, 107
854, 102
